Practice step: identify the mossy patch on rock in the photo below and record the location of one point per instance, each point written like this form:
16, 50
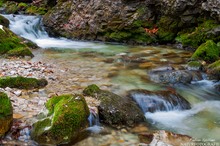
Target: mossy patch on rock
208, 51
21, 52
67, 116
115, 110
196, 36
6, 113
168, 28
22, 82
194, 65
11, 45
214, 70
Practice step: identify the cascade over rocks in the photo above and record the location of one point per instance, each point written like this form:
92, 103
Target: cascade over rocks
142, 21
150, 101
113, 109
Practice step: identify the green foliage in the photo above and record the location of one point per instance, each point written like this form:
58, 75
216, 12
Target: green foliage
22, 82
22, 6
5, 105
199, 35
208, 51
36, 10
67, 116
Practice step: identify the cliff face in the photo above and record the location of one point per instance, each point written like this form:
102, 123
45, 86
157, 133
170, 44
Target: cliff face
139, 21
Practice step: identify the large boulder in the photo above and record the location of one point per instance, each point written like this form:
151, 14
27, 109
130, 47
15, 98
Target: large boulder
191, 22
67, 116
115, 110
208, 51
150, 101
6, 113
104, 20
11, 45
169, 76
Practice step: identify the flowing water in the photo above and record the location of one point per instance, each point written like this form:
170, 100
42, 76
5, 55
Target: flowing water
120, 68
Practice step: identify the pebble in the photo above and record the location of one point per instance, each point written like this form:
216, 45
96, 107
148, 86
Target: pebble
18, 92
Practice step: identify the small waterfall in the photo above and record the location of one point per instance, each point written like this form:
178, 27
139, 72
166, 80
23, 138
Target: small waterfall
31, 28
94, 123
158, 101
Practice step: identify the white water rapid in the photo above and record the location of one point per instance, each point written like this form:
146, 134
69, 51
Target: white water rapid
30, 27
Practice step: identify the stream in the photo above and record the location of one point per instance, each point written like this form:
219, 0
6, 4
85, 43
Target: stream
120, 68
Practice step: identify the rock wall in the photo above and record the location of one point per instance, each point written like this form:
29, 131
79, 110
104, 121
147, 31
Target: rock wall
129, 21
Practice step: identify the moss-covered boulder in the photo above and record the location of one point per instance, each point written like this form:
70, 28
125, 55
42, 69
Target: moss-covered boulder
6, 113
195, 36
115, 110
11, 45
3, 21
67, 116
208, 51
214, 70
22, 82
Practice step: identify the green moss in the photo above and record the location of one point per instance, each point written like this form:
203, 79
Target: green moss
11, 45
167, 29
199, 35
36, 10
194, 65
11, 7
119, 36
91, 90
22, 6
22, 82
20, 52
208, 51
5, 105
67, 116
214, 69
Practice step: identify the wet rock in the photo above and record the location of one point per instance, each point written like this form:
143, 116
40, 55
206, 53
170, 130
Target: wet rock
194, 65
150, 101
6, 113
4, 21
213, 70
170, 76
114, 110
164, 138
67, 116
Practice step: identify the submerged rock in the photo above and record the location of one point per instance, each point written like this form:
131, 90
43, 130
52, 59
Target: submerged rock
22, 82
115, 110
170, 76
6, 113
164, 138
150, 101
67, 116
